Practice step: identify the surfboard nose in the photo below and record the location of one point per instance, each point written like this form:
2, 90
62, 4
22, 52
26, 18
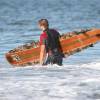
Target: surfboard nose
9, 58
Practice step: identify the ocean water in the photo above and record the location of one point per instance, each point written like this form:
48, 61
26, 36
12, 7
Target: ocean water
77, 79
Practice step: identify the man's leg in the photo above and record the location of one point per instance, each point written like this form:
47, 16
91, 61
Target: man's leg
58, 59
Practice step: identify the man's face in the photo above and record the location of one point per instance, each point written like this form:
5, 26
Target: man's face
41, 27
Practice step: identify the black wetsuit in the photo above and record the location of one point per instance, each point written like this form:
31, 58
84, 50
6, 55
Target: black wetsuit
53, 48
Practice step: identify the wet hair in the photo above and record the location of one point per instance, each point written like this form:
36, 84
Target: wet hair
43, 22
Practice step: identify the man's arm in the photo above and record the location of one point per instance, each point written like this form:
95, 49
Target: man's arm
42, 53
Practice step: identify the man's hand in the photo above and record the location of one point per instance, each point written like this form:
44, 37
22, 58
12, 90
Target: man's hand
42, 53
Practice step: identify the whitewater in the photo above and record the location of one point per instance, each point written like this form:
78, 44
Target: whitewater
69, 82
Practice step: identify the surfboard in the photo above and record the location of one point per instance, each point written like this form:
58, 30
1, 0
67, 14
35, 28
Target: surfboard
71, 43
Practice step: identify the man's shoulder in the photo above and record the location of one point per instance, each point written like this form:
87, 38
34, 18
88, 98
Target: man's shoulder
55, 32
43, 34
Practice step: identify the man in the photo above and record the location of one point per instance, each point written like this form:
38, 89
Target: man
50, 50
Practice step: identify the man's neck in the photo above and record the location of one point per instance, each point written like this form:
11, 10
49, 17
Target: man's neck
45, 29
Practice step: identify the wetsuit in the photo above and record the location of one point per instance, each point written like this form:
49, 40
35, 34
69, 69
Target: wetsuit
50, 38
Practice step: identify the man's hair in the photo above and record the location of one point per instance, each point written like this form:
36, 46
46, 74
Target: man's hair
43, 22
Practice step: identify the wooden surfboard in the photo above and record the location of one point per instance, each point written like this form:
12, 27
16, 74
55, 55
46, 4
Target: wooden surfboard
71, 43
